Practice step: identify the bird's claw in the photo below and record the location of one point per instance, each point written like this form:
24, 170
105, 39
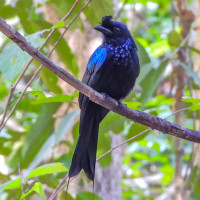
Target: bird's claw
120, 104
105, 96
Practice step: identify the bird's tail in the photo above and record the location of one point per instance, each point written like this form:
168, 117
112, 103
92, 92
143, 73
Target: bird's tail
85, 153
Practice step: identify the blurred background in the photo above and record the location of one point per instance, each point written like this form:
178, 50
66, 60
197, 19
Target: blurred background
39, 113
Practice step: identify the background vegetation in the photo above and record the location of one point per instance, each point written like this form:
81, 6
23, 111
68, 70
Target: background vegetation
38, 130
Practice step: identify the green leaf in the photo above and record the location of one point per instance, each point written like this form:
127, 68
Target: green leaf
150, 84
39, 131
41, 98
62, 49
7, 11
143, 56
160, 158
112, 122
13, 58
59, 25
104, 144
158, 48
193, 49
48, 169
65, 54
36, 188
87, 195
159, 101
133, 105
141, 156
13, 184
50, 80
135, 130
174, 39
65, 124
3, 89
191, 72
195, 103
168, 172
144, 70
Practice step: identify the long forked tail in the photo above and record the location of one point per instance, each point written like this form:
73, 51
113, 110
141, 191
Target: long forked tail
85, 153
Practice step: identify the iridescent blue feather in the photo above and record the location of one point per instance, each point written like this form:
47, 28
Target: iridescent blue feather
97, 59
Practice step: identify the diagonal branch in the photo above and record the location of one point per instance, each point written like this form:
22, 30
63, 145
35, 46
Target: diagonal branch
141, 117
4, 121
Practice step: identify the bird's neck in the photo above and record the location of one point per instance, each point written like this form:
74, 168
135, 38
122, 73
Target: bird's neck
113, 42
120, 42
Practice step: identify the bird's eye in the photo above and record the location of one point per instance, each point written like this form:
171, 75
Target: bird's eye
116, 29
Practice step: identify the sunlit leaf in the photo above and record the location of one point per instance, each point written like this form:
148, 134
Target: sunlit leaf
48, 169
37, 187
150, 84
59, 25
168, 172
13, 59
133, 105
13, 184
87, 195
159, 48
63, 127
143, 56
141, 156
41, 98
195, 103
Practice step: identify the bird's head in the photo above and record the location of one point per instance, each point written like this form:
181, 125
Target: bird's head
113, 30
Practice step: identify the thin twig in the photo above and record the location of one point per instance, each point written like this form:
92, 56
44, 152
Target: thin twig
38, 70
29, 62
138, 116
61, 185
181, 110
121, 144
19, 173
20, 97
57, 188
7, 105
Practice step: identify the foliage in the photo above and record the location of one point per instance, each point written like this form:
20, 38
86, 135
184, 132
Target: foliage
38, 144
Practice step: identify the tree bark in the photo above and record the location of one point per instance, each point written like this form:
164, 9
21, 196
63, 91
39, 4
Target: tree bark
108, 180
151, 121
186, 18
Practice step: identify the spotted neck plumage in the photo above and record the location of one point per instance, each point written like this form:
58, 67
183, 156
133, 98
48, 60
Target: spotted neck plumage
122, 53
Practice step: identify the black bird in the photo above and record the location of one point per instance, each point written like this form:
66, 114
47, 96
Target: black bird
111, 70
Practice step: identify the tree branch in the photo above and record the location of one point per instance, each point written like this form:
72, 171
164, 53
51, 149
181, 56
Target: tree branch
4, 121
141, 117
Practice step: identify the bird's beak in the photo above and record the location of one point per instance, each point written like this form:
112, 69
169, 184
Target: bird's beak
103, 30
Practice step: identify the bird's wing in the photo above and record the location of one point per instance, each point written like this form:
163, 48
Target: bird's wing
94, 69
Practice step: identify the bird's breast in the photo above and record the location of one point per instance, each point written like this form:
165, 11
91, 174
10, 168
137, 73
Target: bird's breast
122, 55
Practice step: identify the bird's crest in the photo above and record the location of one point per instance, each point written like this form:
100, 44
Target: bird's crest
106, 21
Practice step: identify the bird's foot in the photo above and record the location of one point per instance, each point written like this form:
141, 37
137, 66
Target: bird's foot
120, 104
105, 96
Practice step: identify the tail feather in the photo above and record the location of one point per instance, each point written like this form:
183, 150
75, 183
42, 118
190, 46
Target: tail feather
85, 153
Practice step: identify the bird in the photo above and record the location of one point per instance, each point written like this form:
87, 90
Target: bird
112, 70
